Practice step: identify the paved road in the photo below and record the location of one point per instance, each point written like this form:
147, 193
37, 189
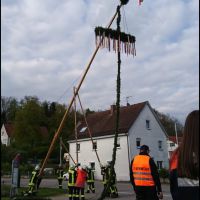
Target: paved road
125, 189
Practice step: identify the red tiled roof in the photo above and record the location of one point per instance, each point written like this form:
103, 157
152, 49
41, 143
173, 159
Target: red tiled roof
173, 139
9, 129
103, 123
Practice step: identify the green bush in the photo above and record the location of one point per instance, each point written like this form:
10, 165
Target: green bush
164, 173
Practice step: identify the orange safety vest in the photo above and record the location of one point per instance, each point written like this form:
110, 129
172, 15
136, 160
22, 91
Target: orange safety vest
142, 171
174, 161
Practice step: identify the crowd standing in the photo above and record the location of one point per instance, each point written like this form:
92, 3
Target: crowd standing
144, 176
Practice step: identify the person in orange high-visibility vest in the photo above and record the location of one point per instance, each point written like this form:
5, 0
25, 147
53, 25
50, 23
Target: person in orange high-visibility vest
144, 176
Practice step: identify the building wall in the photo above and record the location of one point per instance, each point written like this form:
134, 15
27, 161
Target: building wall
171, 147
4, 136
105, 151
149, 137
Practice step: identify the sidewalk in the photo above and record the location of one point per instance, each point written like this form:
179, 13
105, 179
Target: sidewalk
125, 192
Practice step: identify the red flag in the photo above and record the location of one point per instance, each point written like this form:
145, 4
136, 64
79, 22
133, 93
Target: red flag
140, 1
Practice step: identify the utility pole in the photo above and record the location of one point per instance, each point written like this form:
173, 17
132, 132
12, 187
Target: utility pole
176, 134
127, 98
60, 151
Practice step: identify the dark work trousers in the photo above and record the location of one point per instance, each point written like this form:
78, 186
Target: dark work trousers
146, 193
60, 183
80, 193
71, 192
90, 187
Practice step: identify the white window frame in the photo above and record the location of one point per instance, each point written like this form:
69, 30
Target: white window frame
92, 167
148, 126
78, 145
138, 140
95, 142
118, 143
159, 164
160, 145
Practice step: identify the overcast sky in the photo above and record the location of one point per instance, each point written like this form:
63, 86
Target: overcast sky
46, 46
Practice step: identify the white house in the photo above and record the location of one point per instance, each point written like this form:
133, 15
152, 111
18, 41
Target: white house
138, 125
172, 144
6, 133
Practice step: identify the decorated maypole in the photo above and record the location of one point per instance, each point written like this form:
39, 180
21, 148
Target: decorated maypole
119, 42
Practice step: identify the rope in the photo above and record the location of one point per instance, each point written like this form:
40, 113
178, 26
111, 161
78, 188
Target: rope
90, 134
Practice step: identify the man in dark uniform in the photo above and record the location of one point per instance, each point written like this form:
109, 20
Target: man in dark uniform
60, 176
72, 182
144, 176
90, 180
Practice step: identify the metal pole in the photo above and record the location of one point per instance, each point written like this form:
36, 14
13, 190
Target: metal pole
60, 151
71, 102
176, 134
75, 124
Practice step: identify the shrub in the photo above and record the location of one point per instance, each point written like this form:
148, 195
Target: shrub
164, 173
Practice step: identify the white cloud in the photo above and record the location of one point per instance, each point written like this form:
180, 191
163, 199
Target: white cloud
46, 46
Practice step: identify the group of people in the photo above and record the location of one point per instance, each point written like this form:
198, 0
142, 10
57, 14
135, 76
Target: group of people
144, 176
184, 167
78, 176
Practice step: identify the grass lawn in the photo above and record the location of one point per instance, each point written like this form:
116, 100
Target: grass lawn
43, 193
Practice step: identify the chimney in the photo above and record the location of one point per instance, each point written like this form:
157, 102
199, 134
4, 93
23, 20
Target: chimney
112, 109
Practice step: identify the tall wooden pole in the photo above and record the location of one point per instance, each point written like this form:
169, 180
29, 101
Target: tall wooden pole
71, 102
75, 124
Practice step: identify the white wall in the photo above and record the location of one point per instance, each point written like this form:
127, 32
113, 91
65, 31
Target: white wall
105, 151
149, 137
171, 147
4, 136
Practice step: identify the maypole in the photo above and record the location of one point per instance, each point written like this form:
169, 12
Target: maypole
56, 135
120, 41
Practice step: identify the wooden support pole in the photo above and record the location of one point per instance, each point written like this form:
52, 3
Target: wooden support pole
66, 149
71, 102
75, 124
90, 134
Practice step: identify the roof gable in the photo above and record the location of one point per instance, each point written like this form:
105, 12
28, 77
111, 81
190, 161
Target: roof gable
9, 129
103, 123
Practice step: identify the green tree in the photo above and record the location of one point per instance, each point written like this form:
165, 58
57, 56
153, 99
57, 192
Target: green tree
9, 107
168, 123
27, 123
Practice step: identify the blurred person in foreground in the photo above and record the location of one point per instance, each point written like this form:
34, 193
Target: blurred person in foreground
184, 162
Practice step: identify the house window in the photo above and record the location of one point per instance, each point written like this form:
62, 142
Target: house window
83, 129
118, 143
78, 147
172, 144
148, 124
160, 145
92, 165
109, 162
138, 142
94, 145
160, 164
